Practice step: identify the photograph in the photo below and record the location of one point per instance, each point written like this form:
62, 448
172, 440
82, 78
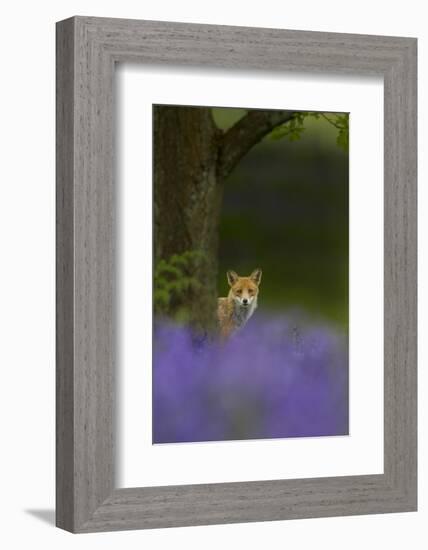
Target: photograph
250, 274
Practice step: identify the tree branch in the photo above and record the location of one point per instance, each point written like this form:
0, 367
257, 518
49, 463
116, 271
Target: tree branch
331, 122
243, 135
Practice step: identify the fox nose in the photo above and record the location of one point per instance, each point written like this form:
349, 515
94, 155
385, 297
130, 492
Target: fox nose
245, 301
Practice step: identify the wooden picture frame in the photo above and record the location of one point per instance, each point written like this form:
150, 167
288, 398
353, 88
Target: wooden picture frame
87, 50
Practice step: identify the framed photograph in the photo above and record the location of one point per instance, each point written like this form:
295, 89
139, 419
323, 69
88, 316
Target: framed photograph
236, 274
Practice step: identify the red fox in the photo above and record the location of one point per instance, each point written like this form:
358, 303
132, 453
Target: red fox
235, 310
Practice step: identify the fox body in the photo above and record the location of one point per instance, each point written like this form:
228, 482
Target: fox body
241, 302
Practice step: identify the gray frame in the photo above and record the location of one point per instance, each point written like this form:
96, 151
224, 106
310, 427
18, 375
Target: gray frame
87, 50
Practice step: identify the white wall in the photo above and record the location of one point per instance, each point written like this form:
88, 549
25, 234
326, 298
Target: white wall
27, 271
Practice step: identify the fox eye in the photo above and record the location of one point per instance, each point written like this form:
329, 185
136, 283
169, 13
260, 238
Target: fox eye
239, 292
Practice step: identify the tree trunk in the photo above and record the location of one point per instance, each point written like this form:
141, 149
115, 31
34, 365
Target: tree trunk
187, 197
192, 158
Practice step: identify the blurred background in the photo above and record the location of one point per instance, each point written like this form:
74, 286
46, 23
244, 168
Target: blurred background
285, 210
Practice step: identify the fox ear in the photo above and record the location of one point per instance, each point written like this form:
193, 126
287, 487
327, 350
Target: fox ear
256, 276
232, 277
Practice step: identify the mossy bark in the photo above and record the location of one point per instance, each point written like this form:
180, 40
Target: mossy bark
187, 198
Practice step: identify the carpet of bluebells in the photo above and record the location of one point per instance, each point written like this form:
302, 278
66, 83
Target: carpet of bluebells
273, 379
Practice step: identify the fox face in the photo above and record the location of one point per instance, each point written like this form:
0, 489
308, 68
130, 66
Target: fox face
244, 290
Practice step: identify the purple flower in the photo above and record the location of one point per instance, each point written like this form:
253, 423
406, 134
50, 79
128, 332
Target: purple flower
271, 380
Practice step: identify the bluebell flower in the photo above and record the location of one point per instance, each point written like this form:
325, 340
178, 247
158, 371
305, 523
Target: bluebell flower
271, 380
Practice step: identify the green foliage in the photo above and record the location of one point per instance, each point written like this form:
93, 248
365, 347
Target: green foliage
294, 128
342, 124
174, 281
